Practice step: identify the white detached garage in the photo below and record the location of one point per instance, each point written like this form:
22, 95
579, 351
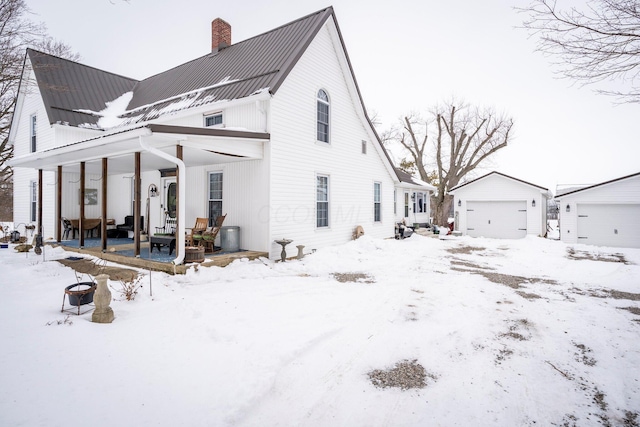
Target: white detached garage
605, 214
500, 206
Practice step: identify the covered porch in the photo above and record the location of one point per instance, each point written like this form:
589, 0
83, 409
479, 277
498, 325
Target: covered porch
152, 150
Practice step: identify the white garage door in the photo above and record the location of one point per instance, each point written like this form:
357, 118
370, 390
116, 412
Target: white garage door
500, 220
609, 225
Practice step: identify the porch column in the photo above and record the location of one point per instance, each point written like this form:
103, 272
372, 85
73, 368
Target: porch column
178, 195
136, 206
103, 221
81, 220
40, 202
59, 206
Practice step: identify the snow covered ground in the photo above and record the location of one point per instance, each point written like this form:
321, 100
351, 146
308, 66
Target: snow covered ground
511, 333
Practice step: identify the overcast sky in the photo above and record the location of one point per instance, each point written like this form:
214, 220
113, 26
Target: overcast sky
407, 56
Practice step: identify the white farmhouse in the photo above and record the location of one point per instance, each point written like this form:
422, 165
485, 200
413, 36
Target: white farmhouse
271, 131
500, 206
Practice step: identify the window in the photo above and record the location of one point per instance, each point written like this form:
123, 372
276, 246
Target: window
419, 202
213, 120
406, 205
34, 130
322, 201
395, 201
323, 116
376, 202
215, 196
364, 147
34, 200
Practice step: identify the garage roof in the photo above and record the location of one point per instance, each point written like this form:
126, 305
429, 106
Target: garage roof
500, 174
597, 185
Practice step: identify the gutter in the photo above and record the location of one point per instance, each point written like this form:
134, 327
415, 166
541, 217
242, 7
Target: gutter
181, 198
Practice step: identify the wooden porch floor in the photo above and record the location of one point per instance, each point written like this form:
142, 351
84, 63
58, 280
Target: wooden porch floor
211, 260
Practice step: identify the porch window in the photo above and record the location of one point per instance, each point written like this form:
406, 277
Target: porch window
33, 130
213, 120
215, 196
406, 205
377, 216
323, 116
322, 201
34, 200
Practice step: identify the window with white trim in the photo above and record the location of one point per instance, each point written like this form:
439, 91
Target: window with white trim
377, 207
322, 201
395, 201
33, 124
213, 120
323, 116
34, 199
406, 205
215, 196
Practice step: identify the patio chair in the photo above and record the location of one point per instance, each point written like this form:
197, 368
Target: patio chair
67, 228
169, 227
208, 237
198, 229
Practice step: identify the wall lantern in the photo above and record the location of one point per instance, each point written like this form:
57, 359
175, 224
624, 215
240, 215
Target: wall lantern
153, 190
568, 208
459, 203
533, 203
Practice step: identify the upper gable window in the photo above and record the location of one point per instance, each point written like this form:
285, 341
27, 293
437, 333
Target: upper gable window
33, 130
213, 120
323, 116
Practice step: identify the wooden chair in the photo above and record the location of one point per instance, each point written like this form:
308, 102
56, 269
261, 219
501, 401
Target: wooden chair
198, 229
208, 237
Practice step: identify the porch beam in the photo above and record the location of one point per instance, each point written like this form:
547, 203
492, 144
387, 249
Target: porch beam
136, 206
103, 220
59, 205
179, 155
81, 220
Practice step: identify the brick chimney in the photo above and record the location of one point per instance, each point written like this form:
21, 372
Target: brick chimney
220, 34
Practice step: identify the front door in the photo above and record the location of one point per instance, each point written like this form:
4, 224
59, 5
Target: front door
169, 191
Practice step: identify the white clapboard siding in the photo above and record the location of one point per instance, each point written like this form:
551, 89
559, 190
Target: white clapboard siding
499, 188
297, 157
619, 192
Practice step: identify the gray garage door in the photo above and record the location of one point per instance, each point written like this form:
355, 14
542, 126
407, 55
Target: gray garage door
500, 220
609, 225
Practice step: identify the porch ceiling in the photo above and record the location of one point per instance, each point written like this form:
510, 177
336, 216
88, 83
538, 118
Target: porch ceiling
201, 146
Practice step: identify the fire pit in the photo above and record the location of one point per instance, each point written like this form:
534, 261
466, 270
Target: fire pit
79, 294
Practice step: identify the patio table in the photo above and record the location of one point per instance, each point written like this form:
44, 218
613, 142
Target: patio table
158, 241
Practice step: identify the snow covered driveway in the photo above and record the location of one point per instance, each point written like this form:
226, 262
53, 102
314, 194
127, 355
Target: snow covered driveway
521, 332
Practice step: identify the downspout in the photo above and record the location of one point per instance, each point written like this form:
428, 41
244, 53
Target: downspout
181, 200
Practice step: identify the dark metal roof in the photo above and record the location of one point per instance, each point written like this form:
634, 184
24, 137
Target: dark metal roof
68, 86
596, 185
501, 174
406, 177
257, 63
260, 62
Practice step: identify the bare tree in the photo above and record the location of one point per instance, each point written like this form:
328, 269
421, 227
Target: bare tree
17, 33
464, 138
599, 42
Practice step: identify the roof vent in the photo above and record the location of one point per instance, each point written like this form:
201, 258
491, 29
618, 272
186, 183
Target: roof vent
220, 34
